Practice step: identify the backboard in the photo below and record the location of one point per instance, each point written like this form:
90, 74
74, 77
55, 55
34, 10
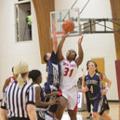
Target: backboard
82, 25
58, 17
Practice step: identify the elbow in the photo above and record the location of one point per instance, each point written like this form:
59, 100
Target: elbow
80, 59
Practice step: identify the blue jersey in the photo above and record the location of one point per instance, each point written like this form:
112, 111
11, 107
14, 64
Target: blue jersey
53, 73
93, 84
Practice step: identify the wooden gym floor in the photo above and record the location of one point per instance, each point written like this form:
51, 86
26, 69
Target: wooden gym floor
114, 112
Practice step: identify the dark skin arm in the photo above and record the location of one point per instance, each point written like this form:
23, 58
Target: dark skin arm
79, 59
59, 51
84, 86
83, 81
40, 103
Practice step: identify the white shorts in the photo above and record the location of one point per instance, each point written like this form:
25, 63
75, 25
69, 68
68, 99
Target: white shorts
71, 96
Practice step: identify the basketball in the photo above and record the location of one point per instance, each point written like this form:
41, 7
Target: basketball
68, 26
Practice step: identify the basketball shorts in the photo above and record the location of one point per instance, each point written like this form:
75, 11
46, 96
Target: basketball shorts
95, 104
71, 96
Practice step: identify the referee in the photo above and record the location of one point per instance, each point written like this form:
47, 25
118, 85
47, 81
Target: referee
19, 97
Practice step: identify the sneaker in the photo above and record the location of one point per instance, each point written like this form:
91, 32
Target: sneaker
89, 117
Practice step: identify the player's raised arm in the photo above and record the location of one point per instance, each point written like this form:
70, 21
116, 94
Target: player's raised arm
79, 59
54, 39
55, 44
59, 51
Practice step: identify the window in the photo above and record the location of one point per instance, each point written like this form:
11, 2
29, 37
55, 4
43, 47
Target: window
23, 21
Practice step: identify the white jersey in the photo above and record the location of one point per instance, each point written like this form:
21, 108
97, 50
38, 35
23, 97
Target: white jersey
68, 74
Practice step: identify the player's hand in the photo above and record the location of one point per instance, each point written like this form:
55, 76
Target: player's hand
52, 101
84, 89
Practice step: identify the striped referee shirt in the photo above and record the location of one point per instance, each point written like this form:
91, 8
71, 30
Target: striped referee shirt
16, 99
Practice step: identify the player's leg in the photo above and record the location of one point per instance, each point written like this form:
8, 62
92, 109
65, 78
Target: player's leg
96, 115
105, 116
62, 103
72, 114
88, 103
3, 114
72, 104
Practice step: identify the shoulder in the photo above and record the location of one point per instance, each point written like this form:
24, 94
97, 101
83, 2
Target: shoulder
98, 76
7, 82
35, 85
38, 89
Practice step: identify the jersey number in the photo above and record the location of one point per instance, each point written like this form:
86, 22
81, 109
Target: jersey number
68, 72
